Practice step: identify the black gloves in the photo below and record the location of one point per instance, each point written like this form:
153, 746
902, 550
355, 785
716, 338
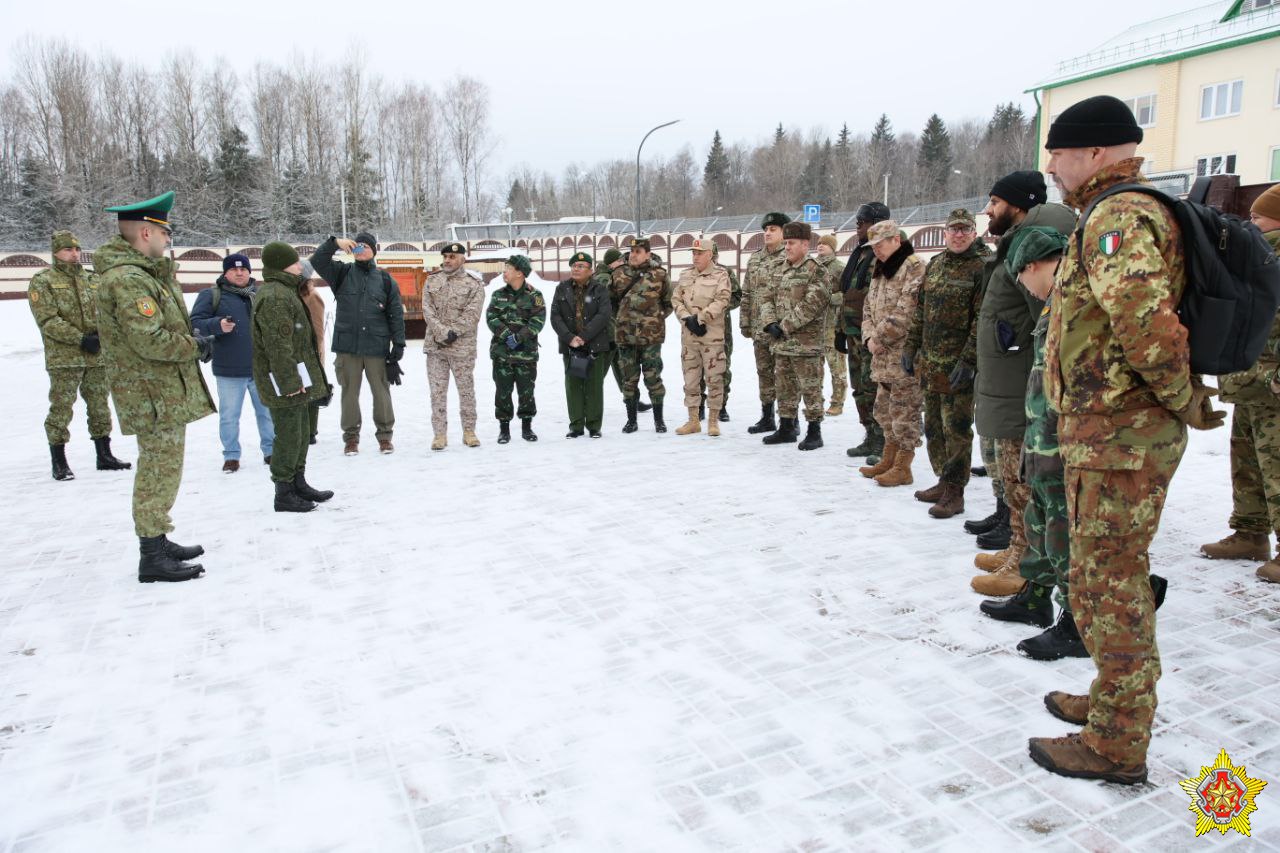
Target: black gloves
842, 343
90, 343
451, 337
205, 346
961, 378
394, 372
1006, 336
775, 330
908, 363
397, 352
325, 400
691, 323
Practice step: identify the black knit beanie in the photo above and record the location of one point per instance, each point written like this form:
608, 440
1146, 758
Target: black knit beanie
1100, 121
1024, 189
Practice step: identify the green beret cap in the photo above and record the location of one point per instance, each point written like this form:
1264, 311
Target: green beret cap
1033, 243
580, 257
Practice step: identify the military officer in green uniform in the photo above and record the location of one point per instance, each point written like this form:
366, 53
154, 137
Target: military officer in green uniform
515, 315
763, 267
64, 301
154, 371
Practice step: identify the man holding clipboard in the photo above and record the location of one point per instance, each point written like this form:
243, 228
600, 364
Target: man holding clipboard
288, 374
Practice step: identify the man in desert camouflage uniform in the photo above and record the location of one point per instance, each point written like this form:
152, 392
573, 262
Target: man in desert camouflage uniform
837, 366
452, 302
794, 312
891, 305
155, 374
701, 300
735, 300
64, 302
764, 265
640, 293
855, 282
1255, 435
941, 353
1117, 371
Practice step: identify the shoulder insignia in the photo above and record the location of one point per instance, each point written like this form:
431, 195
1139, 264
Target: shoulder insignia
146, 307
1109, 243
35, 295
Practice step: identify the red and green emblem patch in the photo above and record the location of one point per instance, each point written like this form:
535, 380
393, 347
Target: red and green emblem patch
146, 307
1109, 243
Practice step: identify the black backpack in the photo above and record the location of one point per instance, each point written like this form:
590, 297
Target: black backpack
1233, 279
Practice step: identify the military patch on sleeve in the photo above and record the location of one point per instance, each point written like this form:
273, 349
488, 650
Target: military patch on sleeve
1109, 243
35, 296
146, 307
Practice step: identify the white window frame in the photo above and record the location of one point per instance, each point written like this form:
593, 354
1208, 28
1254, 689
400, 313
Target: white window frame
1272, 163
1134, 107
1216, 89
1226, 168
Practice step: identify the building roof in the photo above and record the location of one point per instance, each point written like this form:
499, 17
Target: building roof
1206, 28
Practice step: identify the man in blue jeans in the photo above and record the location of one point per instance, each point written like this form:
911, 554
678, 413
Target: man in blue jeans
222, 312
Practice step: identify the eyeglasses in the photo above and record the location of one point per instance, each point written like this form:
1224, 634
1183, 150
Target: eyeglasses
960, 229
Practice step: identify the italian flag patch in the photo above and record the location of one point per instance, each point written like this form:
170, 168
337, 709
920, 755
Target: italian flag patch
1109, 243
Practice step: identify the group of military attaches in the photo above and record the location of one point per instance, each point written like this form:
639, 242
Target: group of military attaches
1073, 348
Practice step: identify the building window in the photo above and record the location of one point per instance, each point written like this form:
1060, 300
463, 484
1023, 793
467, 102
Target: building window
1275, 164
1143, 109
1216, 164
1221, 99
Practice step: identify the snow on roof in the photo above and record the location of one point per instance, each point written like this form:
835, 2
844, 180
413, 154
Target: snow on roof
1163, 38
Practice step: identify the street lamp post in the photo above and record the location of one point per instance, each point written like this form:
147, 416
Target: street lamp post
886, 188
638, 150
507, 211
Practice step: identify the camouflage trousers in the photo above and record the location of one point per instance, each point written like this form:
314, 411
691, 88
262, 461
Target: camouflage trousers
948, 433
517, 375
635, 360
91, 384
1255, 468
351, 370
1116, 483
766, 370
728, 357
987, 448
897, 412
461, 365
799, 377
293, 434
1017, 494
1047, 560
839, 371
704, 366
155, 486
860, 382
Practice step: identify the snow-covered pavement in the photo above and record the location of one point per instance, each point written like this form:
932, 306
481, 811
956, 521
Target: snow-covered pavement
640, 643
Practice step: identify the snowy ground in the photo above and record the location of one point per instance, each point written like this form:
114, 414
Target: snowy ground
649, 643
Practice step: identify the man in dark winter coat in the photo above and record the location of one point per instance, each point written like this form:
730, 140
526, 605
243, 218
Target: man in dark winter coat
368, 328
581, 317
222, 313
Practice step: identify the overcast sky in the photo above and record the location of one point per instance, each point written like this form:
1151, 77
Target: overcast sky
584, 81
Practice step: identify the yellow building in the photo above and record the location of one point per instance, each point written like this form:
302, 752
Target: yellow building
1204, 84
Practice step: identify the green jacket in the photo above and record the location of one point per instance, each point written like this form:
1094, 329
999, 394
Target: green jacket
946, 313
641, 300
1040, 456
1001, 384
520, 312
763, 267
143, 322
369, 316
64, 301
735, 299
284, 338
1254, 385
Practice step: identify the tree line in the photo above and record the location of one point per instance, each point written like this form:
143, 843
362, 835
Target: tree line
269, 149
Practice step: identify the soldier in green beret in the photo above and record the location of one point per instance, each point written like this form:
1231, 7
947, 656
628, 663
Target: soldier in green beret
155, 374
515, 316
581, 315
64, 301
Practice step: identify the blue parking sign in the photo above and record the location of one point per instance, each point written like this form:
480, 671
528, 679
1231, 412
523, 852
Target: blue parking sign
813, 213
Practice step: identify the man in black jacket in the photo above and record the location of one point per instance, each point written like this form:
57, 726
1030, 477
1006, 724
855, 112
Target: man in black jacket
368, 329
581, 315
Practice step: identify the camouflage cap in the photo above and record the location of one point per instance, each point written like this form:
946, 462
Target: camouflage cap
1033, 243
64, 240
703, 244
882, 231
960, 216
775, 218
521, 263
642, 243
453, 249
581, 258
